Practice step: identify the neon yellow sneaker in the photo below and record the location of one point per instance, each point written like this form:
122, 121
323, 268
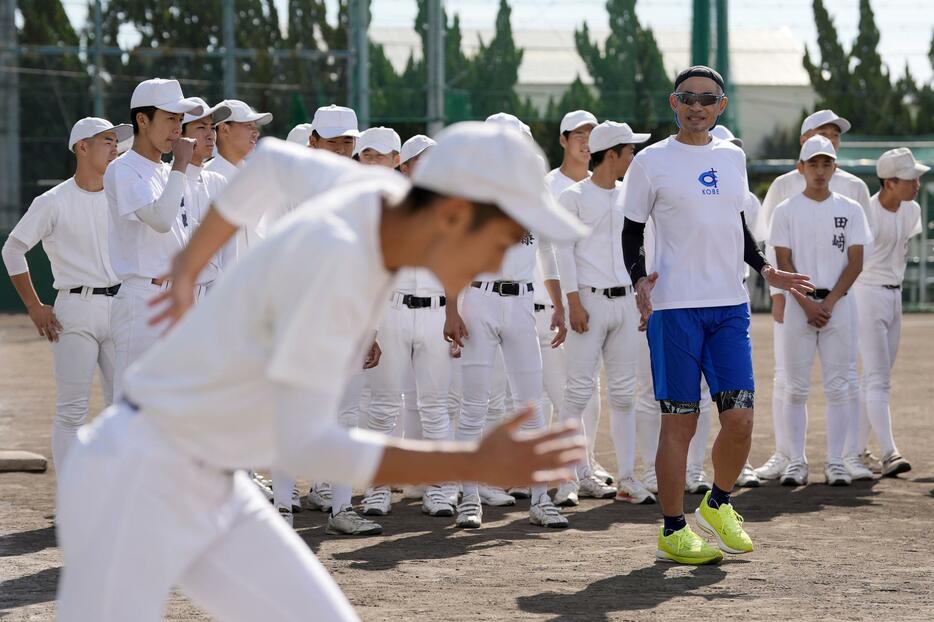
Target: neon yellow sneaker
685, 547
725, 525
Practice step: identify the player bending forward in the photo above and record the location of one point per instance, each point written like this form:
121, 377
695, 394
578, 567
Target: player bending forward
153, 498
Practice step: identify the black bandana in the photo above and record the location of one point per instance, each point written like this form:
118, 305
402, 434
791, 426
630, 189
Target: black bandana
699, 71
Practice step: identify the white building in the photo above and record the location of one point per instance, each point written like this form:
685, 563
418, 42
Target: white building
770, 85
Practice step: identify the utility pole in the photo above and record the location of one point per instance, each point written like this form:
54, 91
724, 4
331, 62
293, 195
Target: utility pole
700, 33
435, 65
98, 59
230, 58
9, 117
360, 44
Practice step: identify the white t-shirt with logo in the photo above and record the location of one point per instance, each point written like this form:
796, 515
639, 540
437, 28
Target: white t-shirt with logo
293, 315
694, 195
887, 255
136, 249
72, 225
819, 234
595, 260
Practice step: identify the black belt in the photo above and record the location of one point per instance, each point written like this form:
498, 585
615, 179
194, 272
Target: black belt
820, 294
505, 288
414, 302
104, 291
892, 286
539, 307
612, 292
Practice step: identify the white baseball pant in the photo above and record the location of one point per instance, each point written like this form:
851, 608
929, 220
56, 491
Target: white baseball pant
84, 344
833, 343
779, 386
880, 327
137, 516
613, 332
495, 321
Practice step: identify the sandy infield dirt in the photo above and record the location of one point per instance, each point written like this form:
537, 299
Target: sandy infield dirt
858, 553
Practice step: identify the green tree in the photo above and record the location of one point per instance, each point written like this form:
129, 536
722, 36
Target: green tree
925, 101
830, 75
496, 70
578, 96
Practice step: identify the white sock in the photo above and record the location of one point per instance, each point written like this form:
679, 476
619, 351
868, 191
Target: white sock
779, 426
282, 484
648, 425
537, 491
796, 421
623, 433
838, 422
880, 417
341, 497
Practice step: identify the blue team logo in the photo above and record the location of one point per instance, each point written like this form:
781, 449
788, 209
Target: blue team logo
708, 179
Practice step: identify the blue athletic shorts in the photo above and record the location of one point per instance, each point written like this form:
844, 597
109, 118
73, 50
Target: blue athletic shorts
711, 340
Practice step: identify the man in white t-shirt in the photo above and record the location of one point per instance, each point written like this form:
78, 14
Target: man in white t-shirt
694, 189
822, 233
236, 138
149, 221
71, 222
828, 124
602, 310
497, 312
894, 218
254, 375
575, 166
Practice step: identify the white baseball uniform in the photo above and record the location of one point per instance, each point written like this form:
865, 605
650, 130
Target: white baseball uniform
878, 295
246, 236
594, 268
200, 187
139, 253
71, 223
252, 376
819, 235
784, 187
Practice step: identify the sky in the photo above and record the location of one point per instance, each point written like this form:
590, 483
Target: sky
906, 26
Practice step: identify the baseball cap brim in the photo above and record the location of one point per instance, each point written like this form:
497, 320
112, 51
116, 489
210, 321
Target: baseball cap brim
829, 154
578, 125
919, 170
336, 132
544, 216
260, 118
638, 139
413, 154
219, 113
186, 106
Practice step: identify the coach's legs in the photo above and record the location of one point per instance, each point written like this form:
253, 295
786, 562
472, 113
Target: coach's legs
677, 430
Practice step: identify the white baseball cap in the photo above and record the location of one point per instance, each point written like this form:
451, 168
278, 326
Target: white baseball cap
489, 163
901, 164
385, 140
414, 146
218, 113
576, 119
240, 112
610, 133
92, 126
164, 95
823, 117
299, 134
509, 120
333, 121
815, 146
721, 132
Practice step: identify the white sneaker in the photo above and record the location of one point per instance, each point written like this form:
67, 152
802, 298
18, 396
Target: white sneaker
377, 501
413, 492
436, 503
594, 488
520, 492
296, 500
631, 490
773, 467
748, 478
319, 497
545, 514
696, 482
263, 484
836, 474
649, 479
349, 523
492, 495
566, 496
856, 468
893, 464
871, 462
452, 490
469, 513
795, 474
286, 514
601, 473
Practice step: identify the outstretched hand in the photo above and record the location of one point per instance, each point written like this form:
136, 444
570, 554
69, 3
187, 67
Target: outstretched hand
790, 281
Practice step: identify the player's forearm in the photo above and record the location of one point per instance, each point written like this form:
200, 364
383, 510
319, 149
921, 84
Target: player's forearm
847, 277
161, 213
634, 249
783, 258
427, 462
207, 240
553, 287
27, 292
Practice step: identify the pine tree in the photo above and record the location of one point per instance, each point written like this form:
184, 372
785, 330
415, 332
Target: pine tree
925, 102
830, 76
495, 70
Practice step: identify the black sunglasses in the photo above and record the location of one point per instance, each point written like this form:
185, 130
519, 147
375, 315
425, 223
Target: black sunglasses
705, 99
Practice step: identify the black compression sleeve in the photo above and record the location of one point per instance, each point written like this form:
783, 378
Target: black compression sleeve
633, 249
751, 253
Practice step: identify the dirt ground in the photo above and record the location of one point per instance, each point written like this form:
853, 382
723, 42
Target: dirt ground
858, 553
